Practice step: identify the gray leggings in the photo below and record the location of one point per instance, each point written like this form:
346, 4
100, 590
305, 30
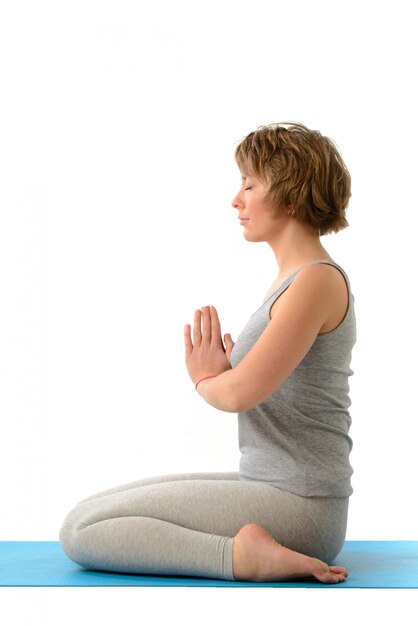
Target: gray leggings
184, 524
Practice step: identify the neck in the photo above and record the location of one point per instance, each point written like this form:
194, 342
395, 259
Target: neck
295, 245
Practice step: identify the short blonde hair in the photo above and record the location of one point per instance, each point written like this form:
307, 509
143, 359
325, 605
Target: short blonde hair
299, 167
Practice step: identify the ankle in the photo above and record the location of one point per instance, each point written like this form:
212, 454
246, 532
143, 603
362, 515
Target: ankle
244, 564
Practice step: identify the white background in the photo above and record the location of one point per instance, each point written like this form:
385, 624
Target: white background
118, 123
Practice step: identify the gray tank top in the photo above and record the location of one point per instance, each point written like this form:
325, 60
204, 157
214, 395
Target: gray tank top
297, 439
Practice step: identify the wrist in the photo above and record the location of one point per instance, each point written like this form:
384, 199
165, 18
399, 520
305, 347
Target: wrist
201, 379
217, 391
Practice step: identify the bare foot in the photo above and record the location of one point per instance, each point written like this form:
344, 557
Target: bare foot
259, 558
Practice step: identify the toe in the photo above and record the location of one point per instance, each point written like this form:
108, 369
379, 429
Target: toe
337, 569
330, 575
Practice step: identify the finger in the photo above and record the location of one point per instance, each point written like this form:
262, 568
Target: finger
215, 325
206, 333
229, 344
187, 339
197, 332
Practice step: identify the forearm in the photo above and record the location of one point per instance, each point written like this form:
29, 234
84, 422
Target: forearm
219, 391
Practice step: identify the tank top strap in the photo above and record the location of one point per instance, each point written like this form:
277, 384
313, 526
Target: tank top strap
285, 284
325, 262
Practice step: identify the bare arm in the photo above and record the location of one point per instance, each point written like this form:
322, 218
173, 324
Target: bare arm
304, 308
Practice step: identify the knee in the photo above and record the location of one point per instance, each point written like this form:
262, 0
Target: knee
69, 534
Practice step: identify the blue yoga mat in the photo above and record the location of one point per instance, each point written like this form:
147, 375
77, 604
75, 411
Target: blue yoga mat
371, 564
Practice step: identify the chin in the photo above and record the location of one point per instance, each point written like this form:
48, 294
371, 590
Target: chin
252, 237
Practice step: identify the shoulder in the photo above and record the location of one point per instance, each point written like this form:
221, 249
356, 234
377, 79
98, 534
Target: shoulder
303, 310
317, 286
320, 292
326, 281
320, 274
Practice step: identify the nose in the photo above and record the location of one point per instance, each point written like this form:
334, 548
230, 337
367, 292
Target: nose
236, 201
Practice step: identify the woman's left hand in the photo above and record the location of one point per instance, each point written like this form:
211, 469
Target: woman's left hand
206, 355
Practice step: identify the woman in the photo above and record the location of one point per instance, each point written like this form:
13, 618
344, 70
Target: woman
283, 516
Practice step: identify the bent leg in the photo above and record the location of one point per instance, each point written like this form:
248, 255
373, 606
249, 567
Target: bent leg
186, 526
165, 478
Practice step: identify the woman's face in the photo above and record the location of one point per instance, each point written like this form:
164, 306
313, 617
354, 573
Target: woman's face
260, 222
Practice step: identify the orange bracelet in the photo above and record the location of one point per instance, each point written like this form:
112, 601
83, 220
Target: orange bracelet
205, 378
